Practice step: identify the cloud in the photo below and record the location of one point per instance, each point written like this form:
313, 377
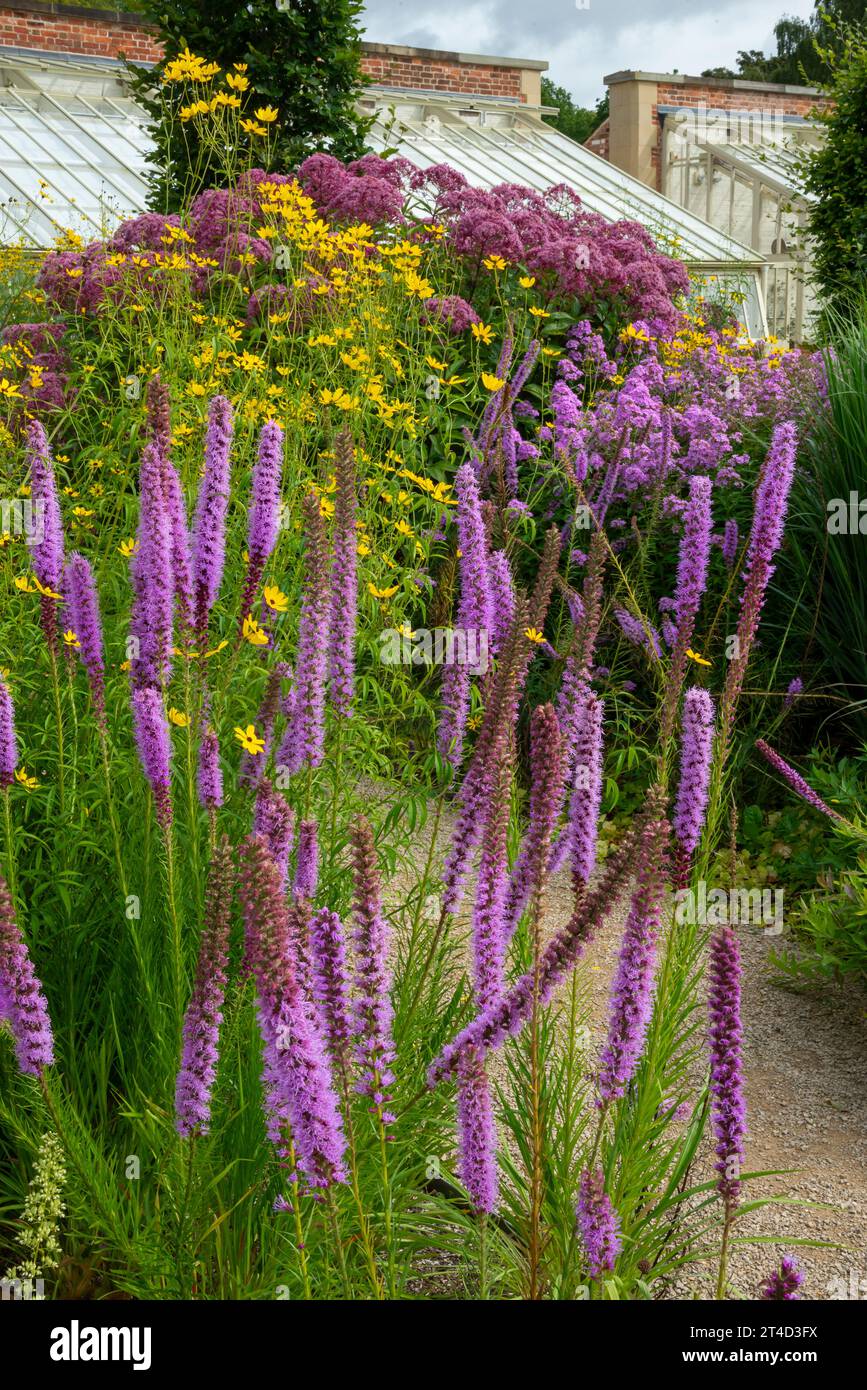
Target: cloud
582, 45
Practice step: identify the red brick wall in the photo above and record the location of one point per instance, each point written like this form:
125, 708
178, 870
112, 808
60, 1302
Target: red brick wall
434, 72
111, 33
720, 98
60, 28
775, 102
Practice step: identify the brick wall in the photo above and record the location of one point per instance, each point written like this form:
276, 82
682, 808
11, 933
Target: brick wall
746, 97
427, 70
111, 34
62, 29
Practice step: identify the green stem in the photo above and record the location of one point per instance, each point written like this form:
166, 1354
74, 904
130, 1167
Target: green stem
171, 897
299, 1229
58, 714
386, 1196
338, 1244
11, 877
723, 1254
363, 1223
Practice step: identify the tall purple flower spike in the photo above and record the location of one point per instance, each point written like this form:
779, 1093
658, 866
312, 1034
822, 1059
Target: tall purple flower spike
298, 1082
728, 1104
304, 741
208, 540
696, 754
264, 522
474, 613
372, 1015
201, 1030
154, 744
598, 1224
8, 740
22, 1002
83, 615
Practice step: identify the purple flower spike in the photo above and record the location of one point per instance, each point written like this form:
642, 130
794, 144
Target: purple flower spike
795, 780
8, 741
274, 823
264, 523
598, 1224
209, 522
330, 983
297, 1077
782, 1284
477, 1139
304, 741
489, 937
22, 1002
154, 748
252, 768
695, 763
210, 773
204, 1014
632, 992
176, 512
728, 1106
502, 599
474, 614
152, 619
729, 546
693, 559
372, 1013
46, 534
83, 615
584, 807
546, 795
766, 533
307, 861
46, 538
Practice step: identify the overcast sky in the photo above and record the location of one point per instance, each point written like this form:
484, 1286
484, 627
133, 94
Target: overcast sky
582, 44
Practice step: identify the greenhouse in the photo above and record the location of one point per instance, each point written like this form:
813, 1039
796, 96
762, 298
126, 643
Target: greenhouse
751, 191
73, 149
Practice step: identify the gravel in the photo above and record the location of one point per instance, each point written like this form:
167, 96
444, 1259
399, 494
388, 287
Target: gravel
805, 1056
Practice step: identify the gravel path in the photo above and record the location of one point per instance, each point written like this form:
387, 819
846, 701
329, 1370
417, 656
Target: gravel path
806, 1069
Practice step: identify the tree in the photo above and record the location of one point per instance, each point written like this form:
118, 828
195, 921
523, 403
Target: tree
803, 46
303, 58
836, 175
578, 122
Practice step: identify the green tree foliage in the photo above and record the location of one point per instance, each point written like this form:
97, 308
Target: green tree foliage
803, 46
836, 176
304, 58
578, 122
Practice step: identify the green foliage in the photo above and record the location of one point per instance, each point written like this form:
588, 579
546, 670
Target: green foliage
824, 564
831, 924
304, 59
835, 174
578, 122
